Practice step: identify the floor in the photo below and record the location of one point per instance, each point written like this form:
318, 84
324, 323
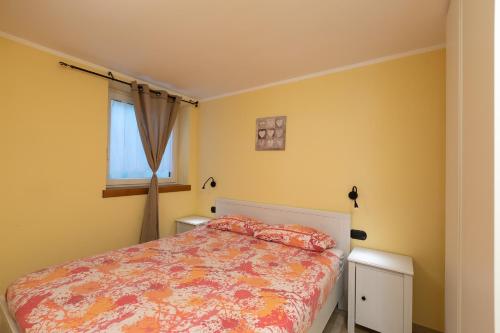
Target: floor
338, 324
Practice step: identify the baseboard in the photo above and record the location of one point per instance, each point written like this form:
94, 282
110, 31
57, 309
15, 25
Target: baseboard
422, 329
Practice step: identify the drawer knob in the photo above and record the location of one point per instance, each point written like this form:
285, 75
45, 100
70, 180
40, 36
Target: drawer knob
363, 298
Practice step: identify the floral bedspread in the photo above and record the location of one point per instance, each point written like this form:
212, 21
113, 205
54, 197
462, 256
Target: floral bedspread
200, 281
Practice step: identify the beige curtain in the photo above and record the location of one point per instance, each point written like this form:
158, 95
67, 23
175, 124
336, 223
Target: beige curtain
155, 114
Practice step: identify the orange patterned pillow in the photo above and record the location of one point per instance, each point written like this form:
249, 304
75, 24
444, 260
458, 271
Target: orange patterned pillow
237, 223
296, 235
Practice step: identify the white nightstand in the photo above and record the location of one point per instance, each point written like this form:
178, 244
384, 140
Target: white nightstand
380, 291
187, 223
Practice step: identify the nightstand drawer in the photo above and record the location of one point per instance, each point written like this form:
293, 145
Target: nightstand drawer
187, 223
380, 291
379, 299
183, 227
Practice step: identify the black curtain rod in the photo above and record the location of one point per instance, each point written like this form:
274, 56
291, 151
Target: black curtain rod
112, 78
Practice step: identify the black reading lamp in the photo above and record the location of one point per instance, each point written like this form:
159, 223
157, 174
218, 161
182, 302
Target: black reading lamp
212, 183
353, 195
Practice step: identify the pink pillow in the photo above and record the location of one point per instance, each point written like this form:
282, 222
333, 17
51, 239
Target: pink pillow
296, 235
237, 223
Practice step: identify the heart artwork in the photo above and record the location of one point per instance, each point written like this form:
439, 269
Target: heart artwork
270, 133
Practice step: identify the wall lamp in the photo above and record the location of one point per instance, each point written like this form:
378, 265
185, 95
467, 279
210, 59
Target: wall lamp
353, 195
212, 183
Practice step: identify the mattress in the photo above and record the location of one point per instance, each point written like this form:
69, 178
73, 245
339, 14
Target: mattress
204, 280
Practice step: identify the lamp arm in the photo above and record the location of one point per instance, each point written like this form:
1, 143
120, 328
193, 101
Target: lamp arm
206, 181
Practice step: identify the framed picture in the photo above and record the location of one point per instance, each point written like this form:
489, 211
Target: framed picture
270, 133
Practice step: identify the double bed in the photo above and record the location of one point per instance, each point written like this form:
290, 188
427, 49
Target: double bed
204, 280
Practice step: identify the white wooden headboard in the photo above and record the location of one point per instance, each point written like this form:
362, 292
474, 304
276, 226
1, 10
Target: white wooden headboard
337, 225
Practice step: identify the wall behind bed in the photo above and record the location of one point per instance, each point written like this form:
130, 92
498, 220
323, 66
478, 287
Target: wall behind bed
380, 127
53, 140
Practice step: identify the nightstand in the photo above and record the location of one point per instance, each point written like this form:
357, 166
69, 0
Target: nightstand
187, 223
380, 291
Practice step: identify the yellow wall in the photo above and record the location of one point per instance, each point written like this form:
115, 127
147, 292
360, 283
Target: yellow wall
379, 127
53, 141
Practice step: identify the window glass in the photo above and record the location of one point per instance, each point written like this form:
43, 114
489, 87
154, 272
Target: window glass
127, 159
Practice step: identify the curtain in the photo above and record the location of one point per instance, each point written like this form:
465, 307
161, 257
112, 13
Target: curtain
155, 115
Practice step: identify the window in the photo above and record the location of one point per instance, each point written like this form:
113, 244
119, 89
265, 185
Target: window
127, 164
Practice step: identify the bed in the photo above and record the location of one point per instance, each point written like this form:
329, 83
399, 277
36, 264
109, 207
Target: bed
204, 280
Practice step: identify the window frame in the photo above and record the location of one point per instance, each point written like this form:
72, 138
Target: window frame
121, 94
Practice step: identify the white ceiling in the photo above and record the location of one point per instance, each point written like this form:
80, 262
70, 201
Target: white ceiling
207, 48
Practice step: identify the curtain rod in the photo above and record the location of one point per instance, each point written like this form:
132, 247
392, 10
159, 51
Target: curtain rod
112, 78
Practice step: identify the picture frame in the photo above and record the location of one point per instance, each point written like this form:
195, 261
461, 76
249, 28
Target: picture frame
270, 133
